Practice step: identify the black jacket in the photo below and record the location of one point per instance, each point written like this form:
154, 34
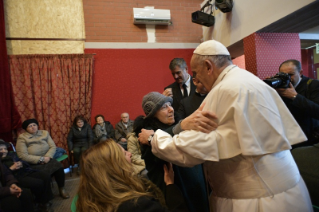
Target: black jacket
174, 201
177, 93
7, 179
83, 137
305, 108
190, 104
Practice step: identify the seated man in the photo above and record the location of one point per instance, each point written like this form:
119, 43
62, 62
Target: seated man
122, 129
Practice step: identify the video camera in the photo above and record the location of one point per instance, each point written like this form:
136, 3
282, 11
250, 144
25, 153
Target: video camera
280, 80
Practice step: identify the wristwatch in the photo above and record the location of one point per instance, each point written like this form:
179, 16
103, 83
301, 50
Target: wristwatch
150, 139
41, 160
294, 97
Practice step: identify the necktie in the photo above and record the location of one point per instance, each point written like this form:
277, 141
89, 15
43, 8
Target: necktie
185, 91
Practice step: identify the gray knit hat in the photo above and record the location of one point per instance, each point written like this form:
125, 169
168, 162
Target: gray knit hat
153, 101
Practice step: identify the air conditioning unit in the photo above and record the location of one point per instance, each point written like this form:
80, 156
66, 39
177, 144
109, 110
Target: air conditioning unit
152, 16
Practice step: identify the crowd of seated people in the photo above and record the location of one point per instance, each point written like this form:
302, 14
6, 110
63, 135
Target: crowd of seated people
119, 172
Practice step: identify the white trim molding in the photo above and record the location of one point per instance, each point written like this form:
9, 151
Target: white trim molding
123, 45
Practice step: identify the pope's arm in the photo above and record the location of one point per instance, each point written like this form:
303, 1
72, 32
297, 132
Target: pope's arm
188, 148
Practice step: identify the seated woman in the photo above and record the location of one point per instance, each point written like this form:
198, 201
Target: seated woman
37, 148
12, 197
80, 138
102, 129
159, 114
108, 184
37, 181
133, 146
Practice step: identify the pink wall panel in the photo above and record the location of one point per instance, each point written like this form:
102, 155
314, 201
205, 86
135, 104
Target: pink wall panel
123, 76
268, 50
240, 62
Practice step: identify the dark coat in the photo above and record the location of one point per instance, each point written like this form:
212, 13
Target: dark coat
189, 180
8, 161
177, 93
109, 130
190, 104
121, 131
174, 201
305, 108
77, 138
7, 179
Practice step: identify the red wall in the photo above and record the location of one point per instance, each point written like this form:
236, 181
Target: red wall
123, 76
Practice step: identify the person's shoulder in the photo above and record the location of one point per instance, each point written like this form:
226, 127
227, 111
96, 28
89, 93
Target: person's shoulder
43, 133
143, 204
314, 83
174, 84
107, 122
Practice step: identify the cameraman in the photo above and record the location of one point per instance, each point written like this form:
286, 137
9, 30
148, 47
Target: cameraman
302, 99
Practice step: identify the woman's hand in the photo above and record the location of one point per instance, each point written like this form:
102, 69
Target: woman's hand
46, 159
15, 190
15, 166
168, 174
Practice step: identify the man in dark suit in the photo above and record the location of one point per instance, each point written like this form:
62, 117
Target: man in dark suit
302, 99
190, 104
183, 85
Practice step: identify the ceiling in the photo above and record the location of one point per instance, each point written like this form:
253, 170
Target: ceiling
304, 21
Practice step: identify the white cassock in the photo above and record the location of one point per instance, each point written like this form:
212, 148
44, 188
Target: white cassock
247, 160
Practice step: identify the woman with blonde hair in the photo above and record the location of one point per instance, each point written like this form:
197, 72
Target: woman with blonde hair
108, 184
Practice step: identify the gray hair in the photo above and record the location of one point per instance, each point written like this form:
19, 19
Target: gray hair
180, 62
218, 60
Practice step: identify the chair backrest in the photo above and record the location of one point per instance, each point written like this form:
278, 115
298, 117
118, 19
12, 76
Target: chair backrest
12, 146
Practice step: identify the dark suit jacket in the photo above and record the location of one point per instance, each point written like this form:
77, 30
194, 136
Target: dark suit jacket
305, 108
189, 105
177, 93
121, 131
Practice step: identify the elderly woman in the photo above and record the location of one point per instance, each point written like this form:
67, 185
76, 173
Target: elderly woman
37, 181
159, 114
37, 148
80, 137
108, 183
102, 129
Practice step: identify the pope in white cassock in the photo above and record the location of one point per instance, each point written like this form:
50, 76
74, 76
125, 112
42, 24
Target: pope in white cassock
247, 159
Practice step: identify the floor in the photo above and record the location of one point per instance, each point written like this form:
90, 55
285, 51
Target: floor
71, 186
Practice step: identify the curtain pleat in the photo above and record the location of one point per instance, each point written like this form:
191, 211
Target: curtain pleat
53, 89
